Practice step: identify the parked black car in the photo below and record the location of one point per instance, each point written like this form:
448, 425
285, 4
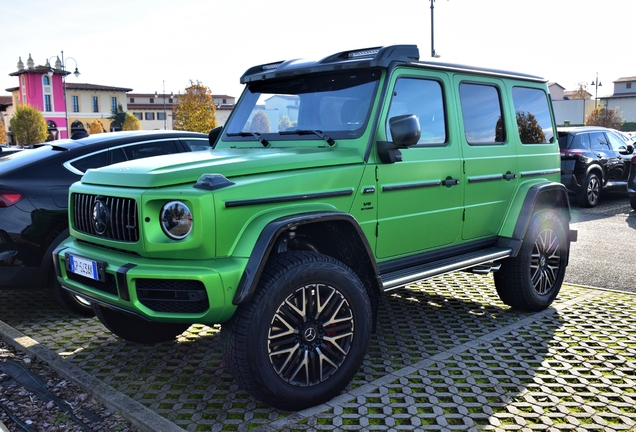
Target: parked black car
593, 159
631, 184
34, 193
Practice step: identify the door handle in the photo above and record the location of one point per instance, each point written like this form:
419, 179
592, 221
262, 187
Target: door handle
509, 176
450, 182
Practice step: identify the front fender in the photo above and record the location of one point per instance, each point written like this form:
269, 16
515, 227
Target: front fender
259, 249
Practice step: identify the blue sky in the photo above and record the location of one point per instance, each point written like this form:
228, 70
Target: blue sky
139, 44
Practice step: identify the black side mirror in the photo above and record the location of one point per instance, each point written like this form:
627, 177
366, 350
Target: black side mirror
405, 131
213, 135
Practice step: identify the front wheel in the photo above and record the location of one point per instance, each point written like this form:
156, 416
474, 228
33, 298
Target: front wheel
531, 280
304, 334
135, 329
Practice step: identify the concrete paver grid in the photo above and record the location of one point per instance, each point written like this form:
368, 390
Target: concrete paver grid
447, 356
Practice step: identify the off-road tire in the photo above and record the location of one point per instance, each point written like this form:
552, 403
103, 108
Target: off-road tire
135, 329
532, 280
590, 192
274, 342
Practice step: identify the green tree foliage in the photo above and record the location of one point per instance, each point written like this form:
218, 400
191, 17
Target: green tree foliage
196, 110
607, 117
529, 129
28, 126
260, 123
119, 117
285, 123
3, 132
131, 123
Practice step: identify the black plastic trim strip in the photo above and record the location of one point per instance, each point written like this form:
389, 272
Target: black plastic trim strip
541, 173
494, 177
411, 186
122, 285
290, 198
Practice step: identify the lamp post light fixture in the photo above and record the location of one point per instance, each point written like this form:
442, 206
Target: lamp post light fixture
596, 85
61, 65
165, 118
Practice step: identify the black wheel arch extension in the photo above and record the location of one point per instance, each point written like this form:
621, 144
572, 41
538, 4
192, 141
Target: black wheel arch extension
553, 196
331, 233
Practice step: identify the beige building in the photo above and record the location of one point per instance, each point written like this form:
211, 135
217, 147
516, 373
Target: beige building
154, 110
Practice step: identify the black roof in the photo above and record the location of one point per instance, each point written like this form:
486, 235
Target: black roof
381, 57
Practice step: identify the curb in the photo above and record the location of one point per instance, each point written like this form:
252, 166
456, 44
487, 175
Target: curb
137, 414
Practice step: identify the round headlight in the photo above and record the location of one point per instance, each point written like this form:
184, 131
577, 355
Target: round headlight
176, 220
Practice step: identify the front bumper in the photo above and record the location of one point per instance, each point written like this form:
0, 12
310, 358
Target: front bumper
179, 291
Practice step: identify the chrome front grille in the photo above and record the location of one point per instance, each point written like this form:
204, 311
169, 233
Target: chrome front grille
119, 222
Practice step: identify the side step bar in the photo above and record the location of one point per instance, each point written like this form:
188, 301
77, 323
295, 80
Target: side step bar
483, 258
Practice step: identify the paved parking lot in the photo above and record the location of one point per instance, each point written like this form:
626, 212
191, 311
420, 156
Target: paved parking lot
448, 355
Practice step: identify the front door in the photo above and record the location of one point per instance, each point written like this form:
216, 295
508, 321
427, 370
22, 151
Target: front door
419, 198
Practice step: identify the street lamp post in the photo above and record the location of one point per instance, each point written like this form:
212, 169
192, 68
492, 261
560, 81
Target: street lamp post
165, 118
433, 53
596, 85
61, 64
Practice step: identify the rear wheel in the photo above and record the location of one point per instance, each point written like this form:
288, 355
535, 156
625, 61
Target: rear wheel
302, 337
135, 329
590, 191
532, 279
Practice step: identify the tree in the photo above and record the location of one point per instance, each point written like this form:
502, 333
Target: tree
260, 123
195, 111
3, 132
603, 116
529, 129
96, 127
28, 126
119, 117
131, 123
581, 92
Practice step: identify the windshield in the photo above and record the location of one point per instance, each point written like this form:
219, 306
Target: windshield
336, 105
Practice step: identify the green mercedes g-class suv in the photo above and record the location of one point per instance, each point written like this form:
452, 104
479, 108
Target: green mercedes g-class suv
332, 182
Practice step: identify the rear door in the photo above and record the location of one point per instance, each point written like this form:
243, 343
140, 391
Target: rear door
490, 161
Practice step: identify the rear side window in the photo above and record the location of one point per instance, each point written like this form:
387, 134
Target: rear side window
599, 141
424, 99
95, 160
533, 115
482, 114
156, 148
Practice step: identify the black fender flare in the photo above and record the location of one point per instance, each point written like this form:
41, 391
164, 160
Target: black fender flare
267, 240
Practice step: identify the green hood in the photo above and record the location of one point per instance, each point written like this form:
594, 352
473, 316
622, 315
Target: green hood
187, 167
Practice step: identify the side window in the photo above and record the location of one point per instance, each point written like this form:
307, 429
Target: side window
533, 115
423, 98
482, 114
598, 141
95, 160
583, 141
155, 148
197, 144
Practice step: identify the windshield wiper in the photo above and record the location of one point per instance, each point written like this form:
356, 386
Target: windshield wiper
316, 132
254, 134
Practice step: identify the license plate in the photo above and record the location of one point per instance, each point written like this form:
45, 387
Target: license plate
84, 267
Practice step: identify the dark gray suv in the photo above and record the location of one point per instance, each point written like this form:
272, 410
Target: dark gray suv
593, 159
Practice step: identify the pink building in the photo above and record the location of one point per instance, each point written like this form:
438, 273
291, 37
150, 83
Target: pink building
43, 88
